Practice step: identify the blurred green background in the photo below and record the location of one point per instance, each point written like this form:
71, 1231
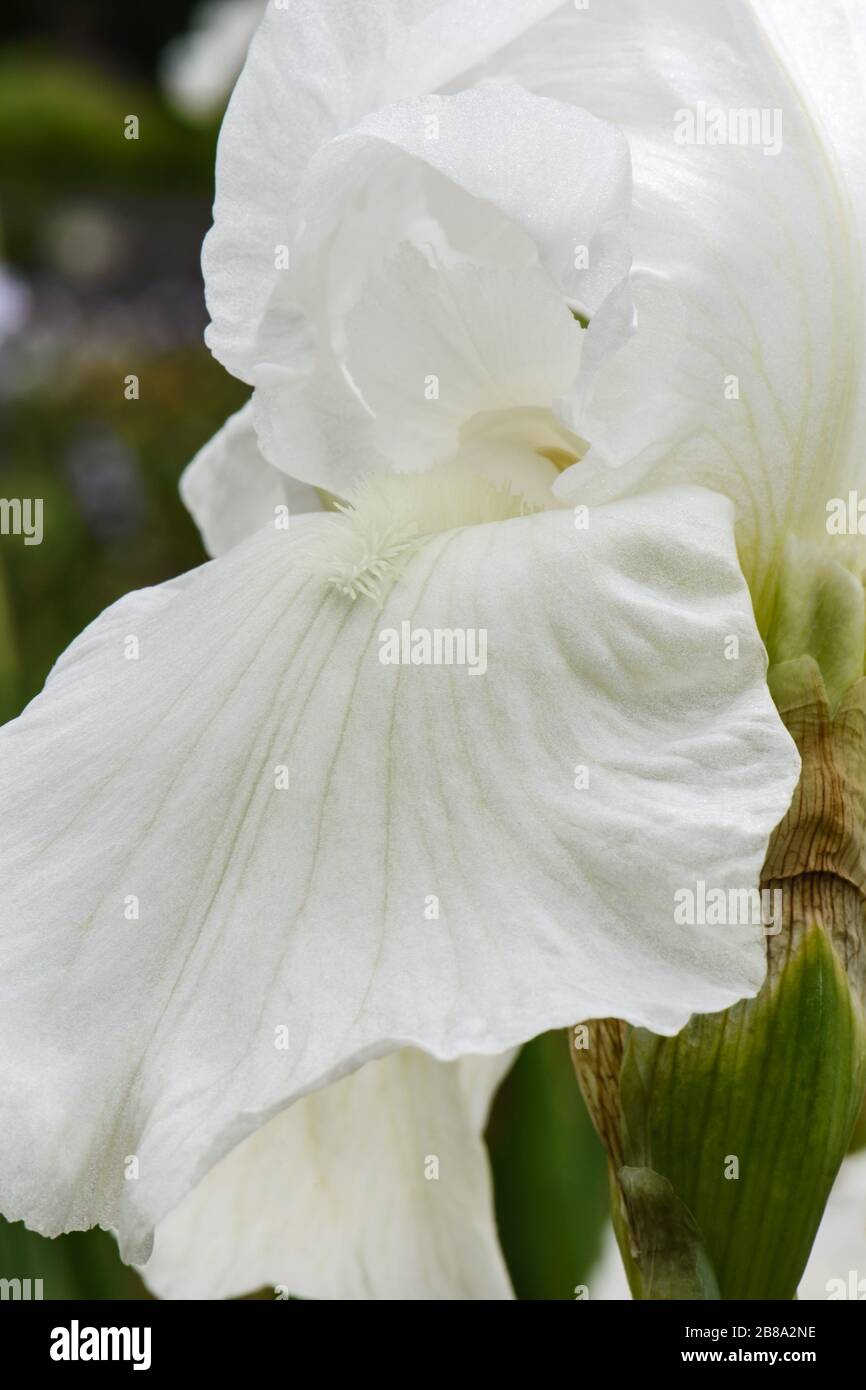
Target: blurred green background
99, 278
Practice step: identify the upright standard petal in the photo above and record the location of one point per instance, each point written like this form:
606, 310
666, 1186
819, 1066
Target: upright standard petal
376, 1187
741, 203
498, 180
453, 361
555, 173
229, 820
314, 69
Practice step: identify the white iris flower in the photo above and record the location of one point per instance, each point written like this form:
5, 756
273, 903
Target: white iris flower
275, 911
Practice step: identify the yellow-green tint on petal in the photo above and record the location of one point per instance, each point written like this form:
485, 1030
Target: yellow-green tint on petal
820, 612
363, 549
560, 458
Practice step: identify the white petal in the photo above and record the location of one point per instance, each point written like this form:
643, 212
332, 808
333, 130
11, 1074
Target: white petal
558, 174
439, 352
314, 69
231, 489
762, 248
839, 1251
314, 424
824, 48
377, 1187
638, 337
153, 783
607, 1281
509, 180
487, 342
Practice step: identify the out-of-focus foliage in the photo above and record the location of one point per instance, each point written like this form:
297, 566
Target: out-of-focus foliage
81, 1265
62, 127
107, 471
550, 1174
